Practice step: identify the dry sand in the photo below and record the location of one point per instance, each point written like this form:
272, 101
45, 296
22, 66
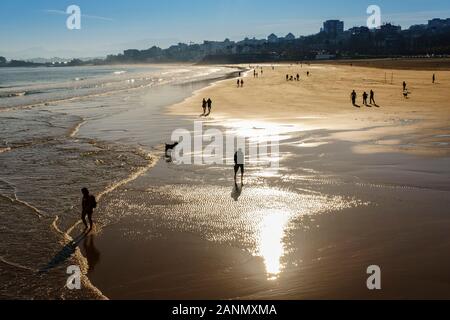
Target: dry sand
419, 124
356, 187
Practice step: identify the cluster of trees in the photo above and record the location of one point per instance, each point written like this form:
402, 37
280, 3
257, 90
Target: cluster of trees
17, 63
72, 63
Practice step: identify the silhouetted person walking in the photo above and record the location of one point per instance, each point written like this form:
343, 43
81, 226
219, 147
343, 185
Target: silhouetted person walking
404, 86
365, 96
88, 205
209, 103
353, 96
242, 83
434, 78
372, 97
238, 83
298, 77
239, 160
204, 105
287, 77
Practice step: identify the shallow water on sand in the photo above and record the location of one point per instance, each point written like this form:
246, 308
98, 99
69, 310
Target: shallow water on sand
75, 138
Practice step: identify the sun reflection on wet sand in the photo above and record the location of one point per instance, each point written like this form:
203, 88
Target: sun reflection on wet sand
254, 219
271, 246
258, 131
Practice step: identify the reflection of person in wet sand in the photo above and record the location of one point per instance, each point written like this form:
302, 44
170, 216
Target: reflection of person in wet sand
237, 192
239, 164
92, 253
88, 205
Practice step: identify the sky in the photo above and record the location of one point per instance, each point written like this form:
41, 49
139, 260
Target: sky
37, 28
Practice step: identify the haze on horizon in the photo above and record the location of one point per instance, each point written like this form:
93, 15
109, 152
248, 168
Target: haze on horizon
38, 28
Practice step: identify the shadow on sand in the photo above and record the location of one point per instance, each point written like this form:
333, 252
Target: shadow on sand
69, 250
66, 252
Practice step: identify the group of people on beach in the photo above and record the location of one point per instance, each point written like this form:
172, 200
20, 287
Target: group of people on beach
295, 78
206, 105
240, 83
365, 97
256, 73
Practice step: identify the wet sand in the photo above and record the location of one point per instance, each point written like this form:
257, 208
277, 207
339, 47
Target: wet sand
357, 186
49, 151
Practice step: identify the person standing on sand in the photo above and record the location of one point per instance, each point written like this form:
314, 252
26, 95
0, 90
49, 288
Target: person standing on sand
242, 83
365, 96
404, 86
239, 160
372, 97
88, 205
353, 96
238, 83
204, 107
209, 103
434, 78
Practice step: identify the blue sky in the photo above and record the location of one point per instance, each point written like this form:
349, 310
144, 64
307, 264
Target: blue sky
38, 27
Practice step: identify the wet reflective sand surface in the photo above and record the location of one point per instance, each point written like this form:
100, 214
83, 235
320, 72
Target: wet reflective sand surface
69, 139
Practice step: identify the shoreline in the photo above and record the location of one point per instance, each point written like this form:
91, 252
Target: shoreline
74, 143
397, 63
391, 190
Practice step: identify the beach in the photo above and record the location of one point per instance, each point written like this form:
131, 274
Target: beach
356, 186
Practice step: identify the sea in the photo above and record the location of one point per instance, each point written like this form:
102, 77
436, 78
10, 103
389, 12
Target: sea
65, 128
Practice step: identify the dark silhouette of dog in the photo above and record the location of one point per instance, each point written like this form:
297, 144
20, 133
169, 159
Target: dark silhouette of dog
170, 147
406, 94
